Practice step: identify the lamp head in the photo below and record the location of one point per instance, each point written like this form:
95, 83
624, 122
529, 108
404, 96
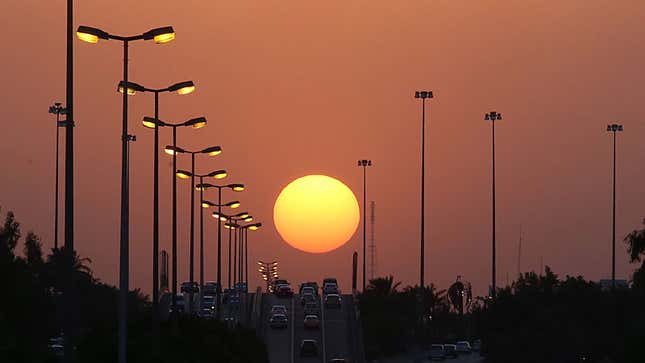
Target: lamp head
212, 151
423, 94
234, 204
218, 174
150, 122
182, 88
131, 87
206, 204
172, 150
255, 227
184, 174
91, 35
196, 123
236, 187
160, 35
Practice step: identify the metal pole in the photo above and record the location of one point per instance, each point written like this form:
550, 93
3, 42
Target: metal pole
613, 224
201, 236
174, 221
493, 284
155, 222
192, 232
364, 227
219, 252
423, 172
124, 258
56, 183
246, 258
70, 290
235, 238
230, 232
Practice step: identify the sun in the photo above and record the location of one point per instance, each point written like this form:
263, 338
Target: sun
316, 213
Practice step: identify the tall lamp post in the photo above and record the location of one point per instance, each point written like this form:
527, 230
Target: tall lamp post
58, 110
195, 123
207, 204
182, 174
236, 188
364, 163
232, 225
246, 228
160, 36
492, 117
423, 95
613, 128
181, 88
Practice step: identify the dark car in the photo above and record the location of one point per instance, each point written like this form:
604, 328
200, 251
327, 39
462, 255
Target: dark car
190, 287
307, 298
333, 301
436, 352
311, 284
330, 280
450, 350
312, 308
284, 291
278, 321
210, 288
309, 348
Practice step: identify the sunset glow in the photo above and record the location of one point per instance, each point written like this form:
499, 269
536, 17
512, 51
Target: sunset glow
316, 213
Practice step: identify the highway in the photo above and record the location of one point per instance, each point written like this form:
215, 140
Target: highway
336, 336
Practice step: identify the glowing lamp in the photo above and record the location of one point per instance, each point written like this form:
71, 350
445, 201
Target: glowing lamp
91, 35
183, 174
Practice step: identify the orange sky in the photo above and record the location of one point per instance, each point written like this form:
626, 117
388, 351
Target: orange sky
294, 87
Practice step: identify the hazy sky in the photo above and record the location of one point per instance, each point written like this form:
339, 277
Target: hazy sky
293, 87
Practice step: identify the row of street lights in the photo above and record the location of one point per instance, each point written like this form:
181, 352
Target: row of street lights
160, 36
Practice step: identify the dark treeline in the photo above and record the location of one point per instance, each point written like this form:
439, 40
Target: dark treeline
31, 313
538, 318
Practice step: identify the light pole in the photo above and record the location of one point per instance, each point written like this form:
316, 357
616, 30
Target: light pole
233, 225
207, 204
236, 188
364, 163
160, 36
58, 110
181, 88
613, 128
492, 117
246, 228
182, 174
268, 271
195, 123
423, 95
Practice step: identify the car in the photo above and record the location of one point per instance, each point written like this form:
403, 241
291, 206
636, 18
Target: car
276, 283
333, 301
311, 284
210, 288
307, 298
208, 301
207, 313
312, 308
309, 348
477, 345
330, 280
284, 291
436, 352
279, 309
463, 347
189, 287
277, 321
312, 322
330, 289
307, 290
450, 350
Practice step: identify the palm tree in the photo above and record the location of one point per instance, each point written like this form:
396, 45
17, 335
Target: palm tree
58, 263
382, 286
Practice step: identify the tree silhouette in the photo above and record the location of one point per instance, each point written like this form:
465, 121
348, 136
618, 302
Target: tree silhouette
636, 249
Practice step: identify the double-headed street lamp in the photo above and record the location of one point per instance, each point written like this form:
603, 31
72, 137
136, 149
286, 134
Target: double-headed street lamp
181, 88
364, 163
268, 271
182, 174
423, 95
236, 188
160, 36
195, 123
613, 128
492, 117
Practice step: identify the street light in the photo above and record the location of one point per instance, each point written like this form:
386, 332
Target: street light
237, 188
492, 117
423, 95
364, 163
160, 36
183, 174
613, 128
233, 224
245, 229
195, 123
181, 88
58, 110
